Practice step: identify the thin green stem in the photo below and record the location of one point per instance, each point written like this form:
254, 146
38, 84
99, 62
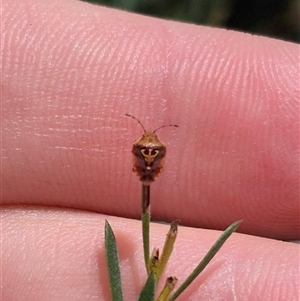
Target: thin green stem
146, 224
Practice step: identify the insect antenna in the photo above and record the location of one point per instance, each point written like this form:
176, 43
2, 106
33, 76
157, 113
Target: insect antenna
137, 121
175, 125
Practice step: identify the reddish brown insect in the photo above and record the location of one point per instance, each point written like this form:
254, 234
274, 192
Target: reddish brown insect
148, 155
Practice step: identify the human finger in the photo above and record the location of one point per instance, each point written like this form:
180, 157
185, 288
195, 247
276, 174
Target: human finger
72, 70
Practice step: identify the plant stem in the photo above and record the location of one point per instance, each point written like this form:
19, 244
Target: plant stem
167, 250
146, 224
168, 288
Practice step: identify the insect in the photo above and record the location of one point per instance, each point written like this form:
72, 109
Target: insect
148, 155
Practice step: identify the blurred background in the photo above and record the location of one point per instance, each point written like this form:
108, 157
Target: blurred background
274, 18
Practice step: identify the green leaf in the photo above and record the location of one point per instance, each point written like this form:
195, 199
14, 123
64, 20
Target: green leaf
205, 261
148, 291
112, 260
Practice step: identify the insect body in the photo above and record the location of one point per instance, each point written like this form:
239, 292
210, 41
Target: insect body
148, 155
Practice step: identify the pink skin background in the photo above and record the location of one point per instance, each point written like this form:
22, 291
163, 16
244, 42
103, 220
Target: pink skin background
70, 71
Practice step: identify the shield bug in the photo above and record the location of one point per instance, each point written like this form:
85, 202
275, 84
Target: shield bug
148, 155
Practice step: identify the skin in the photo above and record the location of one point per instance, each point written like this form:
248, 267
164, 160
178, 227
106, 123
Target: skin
70, 72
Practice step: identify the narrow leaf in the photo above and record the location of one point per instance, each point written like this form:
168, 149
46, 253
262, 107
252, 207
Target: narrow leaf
207, 258
148, 291
112, 260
